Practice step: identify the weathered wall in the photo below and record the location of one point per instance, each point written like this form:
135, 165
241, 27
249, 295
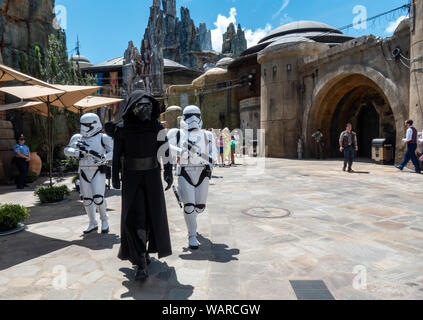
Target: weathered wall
218, 103
249, 113
364, 62
211, 92
7, 141
281, 95
182, 95
416, 72
24, 24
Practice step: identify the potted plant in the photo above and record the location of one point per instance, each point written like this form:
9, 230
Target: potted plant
11, 215
53, 194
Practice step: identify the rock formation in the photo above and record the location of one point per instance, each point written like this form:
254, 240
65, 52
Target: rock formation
152, 66
24, 24
131, 70
234, 41
205, 38
179, 37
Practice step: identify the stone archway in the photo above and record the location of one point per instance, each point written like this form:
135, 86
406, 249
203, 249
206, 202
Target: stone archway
356, 94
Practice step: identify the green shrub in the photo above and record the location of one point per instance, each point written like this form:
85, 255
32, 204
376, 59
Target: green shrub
75, 178
31, 177
48, 194
70, 164
11, 215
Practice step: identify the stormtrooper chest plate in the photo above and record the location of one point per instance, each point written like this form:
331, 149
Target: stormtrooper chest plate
195, 148
94, 144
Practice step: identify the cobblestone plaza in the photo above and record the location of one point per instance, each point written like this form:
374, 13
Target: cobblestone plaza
359, 234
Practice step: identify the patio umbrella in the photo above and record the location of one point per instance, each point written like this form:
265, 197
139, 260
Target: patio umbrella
57, 95
91, 103
9, 74
44, 95
27, 106
73, 95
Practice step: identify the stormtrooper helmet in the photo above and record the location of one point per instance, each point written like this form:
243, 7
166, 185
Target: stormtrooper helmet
90, 125
192, 117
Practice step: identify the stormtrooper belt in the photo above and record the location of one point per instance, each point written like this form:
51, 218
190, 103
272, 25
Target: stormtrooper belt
140, 164
206, 173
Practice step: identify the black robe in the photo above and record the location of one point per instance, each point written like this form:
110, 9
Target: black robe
142, 191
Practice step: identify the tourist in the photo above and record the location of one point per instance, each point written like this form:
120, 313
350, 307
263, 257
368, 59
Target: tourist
233, 150
348, 144
318, 139
221, 146
21, 161
411, 141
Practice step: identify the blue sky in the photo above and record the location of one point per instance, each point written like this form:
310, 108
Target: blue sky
104, 27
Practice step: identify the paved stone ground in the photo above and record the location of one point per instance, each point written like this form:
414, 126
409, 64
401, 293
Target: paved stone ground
338, 222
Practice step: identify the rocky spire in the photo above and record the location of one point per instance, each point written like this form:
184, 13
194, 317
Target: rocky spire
152, 51
205, 38
234, 41
132, 66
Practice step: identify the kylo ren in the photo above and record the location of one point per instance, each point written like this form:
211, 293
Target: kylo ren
144, 223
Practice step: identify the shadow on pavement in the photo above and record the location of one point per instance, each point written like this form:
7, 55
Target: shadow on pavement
46, 213
162, 284
209, 251
26, 246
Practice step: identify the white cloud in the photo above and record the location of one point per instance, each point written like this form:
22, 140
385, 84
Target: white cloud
394, 24
253, 37
284, 5
222, 24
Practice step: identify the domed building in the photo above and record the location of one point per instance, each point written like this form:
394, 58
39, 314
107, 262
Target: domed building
307, 75
80, 61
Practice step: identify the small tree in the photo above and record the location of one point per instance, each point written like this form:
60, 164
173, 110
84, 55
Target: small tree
53, 66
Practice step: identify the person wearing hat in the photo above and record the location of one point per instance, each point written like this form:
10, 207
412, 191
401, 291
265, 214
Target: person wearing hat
21, 161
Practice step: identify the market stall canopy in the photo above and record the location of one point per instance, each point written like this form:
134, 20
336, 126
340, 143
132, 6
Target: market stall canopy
27, 106
92, 102
72, 95
9, 74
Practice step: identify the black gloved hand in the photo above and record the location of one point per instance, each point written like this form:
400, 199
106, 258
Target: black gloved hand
116, 182
168, 176
209, 171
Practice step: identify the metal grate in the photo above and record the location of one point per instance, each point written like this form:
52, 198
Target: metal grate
267, 212
311, 290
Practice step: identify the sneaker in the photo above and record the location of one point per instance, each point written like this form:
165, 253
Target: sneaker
400, 168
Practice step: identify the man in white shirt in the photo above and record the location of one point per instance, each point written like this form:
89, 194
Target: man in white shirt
411, 141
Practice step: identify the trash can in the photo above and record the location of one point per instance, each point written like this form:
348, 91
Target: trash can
382, 152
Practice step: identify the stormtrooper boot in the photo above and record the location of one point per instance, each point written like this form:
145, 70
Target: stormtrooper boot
93, 226
191, 221
141, 271
104, 218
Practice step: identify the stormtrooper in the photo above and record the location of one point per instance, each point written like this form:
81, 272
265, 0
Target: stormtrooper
93, 149
196, 152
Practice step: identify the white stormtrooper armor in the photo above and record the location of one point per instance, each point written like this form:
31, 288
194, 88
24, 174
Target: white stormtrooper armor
197, 153
94, 149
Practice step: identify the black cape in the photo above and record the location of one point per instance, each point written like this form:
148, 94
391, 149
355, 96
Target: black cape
142, 191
